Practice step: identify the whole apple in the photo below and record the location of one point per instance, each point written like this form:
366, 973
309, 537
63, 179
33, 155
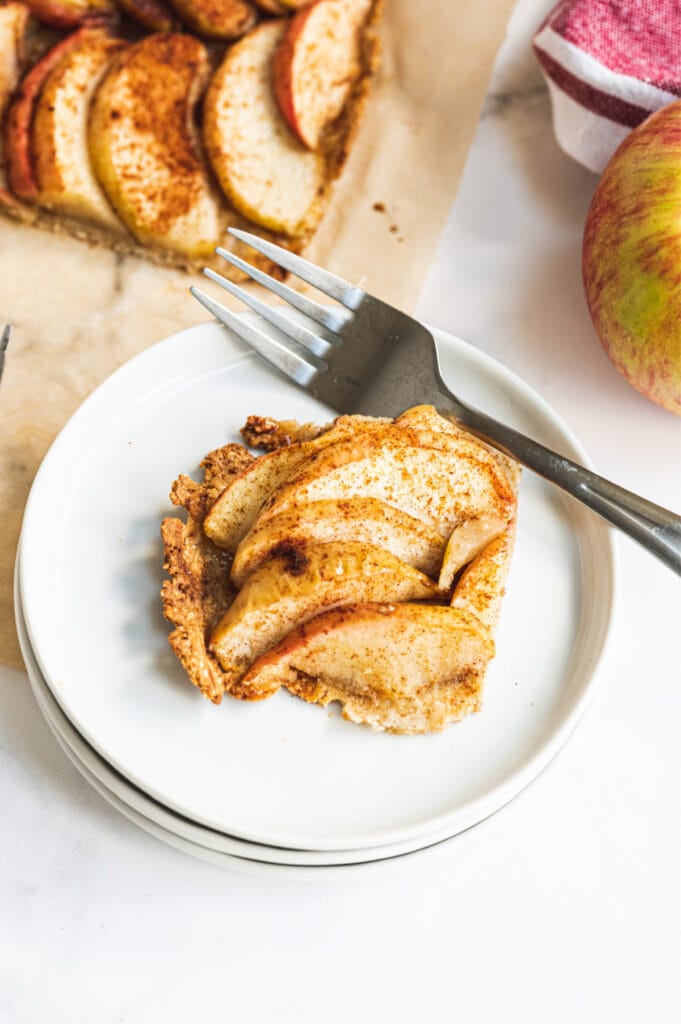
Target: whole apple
631, 258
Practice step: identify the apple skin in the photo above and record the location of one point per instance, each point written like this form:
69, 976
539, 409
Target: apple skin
70, 13
18, 155
316, 64
631, 258
13, 24
154, 15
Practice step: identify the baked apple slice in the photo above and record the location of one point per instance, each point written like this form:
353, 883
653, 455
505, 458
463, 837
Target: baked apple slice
264, 170
61, 158
273, 6
440, 487
480, 590
467, 540
13, 20
144, 147
300, 583
227, 19
230, 518
70, 13
19, 120
358, 519
316, 64
154, 15
406, 668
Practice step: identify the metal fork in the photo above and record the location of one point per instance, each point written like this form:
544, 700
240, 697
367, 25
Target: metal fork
4, 342
370, 358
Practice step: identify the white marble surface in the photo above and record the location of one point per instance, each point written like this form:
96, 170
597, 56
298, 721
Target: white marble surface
564, 906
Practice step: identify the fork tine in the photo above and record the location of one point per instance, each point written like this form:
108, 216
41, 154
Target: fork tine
296, 331
280, 355
4, 342
335, 287
333, 318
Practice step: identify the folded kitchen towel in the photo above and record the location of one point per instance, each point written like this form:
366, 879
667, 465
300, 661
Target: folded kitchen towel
608, 64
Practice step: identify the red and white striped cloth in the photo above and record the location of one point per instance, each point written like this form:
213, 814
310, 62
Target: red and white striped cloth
608, 64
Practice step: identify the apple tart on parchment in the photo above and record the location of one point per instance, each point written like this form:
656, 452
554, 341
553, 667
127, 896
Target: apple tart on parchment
152, 127
362, 563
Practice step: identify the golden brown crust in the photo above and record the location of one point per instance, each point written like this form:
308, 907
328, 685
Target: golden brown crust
196, 595
219, 467
268, 434
198, 592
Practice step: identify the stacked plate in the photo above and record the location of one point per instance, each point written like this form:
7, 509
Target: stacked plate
280, 781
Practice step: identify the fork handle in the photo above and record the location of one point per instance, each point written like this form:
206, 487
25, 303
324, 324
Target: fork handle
656, 528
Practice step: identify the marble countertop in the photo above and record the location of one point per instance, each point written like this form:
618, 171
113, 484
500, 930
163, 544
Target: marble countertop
564, 906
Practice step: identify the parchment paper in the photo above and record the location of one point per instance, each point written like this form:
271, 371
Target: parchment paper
78, 313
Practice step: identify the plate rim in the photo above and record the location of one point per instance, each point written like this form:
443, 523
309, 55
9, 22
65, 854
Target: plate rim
81, 753
498, 795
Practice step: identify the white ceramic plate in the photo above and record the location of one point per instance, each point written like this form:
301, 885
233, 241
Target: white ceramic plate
144, 811
281, 772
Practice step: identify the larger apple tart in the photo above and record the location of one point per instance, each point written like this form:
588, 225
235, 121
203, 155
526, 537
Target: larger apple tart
152, 126
362, 563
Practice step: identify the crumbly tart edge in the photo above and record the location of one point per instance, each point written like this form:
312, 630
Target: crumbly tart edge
198, 590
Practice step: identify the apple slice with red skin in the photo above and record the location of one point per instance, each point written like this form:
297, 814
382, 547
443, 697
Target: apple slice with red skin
13, 21
217, 19
154, 15
407, 668
61, 159
70, 13
262, 168
298, 583
316, 64
273, 6
19, 158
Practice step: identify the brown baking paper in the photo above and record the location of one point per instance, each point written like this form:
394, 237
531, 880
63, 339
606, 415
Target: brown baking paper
79, 312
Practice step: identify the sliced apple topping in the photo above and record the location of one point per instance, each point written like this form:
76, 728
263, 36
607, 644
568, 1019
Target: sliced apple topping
351, 519
466, 542
18, 124
264, 170
273, 6
233, 513
301, 581
440, 487
481, 587
405, 668
338, 542
154, 15
217, 19
70, 13
316, 64
62, 165
144, 146
13, 20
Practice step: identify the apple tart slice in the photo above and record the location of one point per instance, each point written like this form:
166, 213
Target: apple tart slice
363, 564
